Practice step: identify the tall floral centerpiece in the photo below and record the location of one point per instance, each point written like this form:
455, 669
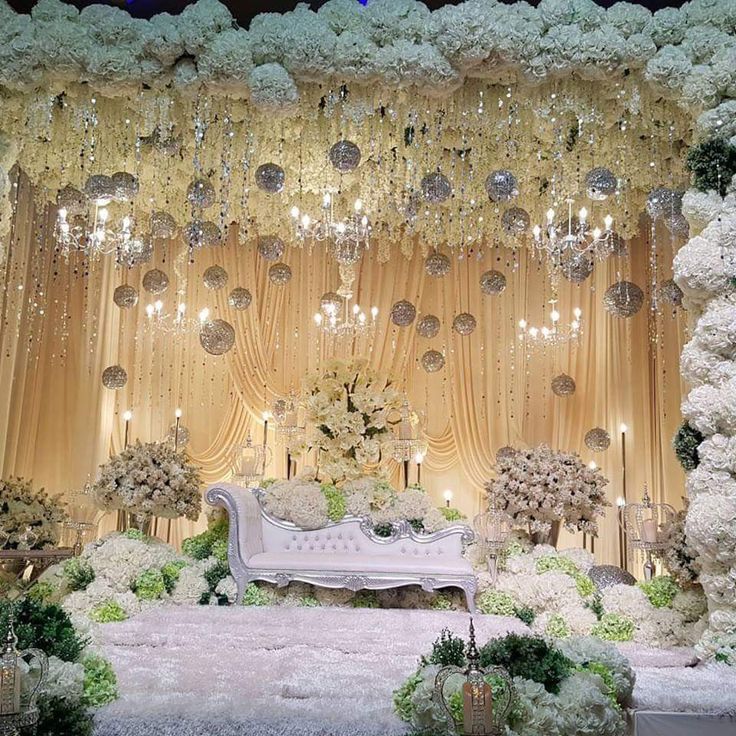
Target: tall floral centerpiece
349, 410
150, 479
541, 488
29, 518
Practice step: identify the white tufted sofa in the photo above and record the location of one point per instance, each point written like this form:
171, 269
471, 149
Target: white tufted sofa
346, 554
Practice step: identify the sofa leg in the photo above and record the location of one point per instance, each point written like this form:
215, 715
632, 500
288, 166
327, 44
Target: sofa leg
470, 598
242, 584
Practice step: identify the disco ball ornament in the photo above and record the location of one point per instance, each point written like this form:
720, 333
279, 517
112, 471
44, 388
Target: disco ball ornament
211, 234
330, 302
433, 361
178, 436
114, 377
217, 336
678, 225
623, 299
202, 233
155, 281
436, 188
201, 193
501, 186
670, 293
663, 202
270, 178
597, 439
345, 156
125, 297
515, 221
577, 267
215, 277
600, 183
492, 283
403, 313
563, 385
428, 326
464, 323
137, 252
437, 264
126, 186
279, 274
100, 189
162, 225
505, 453
271, 247
71, 200
606, 576
239, 298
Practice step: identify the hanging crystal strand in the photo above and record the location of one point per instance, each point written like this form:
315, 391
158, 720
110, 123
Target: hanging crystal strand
243, 217
225, 172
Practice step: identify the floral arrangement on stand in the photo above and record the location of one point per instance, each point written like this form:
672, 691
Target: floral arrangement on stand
349, 411
577, 686
79, 680
542, 487
150, 479
29, 518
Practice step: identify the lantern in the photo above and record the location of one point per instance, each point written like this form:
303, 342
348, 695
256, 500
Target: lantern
249, 462
642, 524
483, 715
493, 528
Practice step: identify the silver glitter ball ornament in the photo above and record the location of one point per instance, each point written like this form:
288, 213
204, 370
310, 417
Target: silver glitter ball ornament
239, 298
505, 453
126, 186
428, 326
114, 377
202, 233
125, 297
597, 439
678, 225
563, 385
600, 183
663, 202
330, 302
279, 274
155, 281
345, 156
136, 252
201, 193
100, 189
433, 361
577, 267
270, 178
436, 188
71, 200
464, 323
162, 225
437, 264
403, 313
179, 437
670, 293
501, 186
271, 247
215, 277
623, 299
606, 576
217, 336
211, 234
492, 282
515, 221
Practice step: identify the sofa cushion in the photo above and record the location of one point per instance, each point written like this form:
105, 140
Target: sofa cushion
360, 563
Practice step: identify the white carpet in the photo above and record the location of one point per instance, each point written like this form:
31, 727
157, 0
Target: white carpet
210, 671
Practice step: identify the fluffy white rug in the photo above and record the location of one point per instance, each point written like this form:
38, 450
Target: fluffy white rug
209, 671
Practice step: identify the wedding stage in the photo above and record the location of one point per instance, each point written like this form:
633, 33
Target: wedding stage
301, 671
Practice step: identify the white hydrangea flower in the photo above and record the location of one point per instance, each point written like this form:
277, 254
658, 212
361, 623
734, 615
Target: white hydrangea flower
628, 18
718, 452
272, 87
581, 557
702, 480
669, 68
64, 681
711, 526
691, 603
668, 26
191, 585
585, 706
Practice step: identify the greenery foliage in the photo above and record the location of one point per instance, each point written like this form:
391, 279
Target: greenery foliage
365, 599
402, 696
685, 444
209, 543
255, 596
149, 585
613, 627
557, 627
661, 590
336, 505
558, 563
713, 164
108, 612
100, 682
170, 573
447, 649
78, 573
452, 514
59, 717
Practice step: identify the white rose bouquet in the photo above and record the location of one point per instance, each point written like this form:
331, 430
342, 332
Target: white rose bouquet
28, 517
150, 479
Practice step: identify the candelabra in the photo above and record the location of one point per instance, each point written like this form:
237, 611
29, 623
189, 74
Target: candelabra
406, 442
338, 318
249, 462
493, 528
555, 333
176, 321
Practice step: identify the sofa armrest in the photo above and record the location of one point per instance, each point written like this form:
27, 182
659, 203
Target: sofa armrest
246, 533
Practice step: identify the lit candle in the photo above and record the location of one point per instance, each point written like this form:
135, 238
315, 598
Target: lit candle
374, 312
127, 416
623, 428
418, 459
265, 428
177, 414
649, 531
608, 221
447, 495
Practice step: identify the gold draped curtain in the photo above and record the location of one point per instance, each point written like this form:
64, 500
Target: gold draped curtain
60, 329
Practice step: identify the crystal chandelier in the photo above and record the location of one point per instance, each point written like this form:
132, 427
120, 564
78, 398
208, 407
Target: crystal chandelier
407, 442
554, 334
249, 462
176, 321
571, 239
286, 413
347, 237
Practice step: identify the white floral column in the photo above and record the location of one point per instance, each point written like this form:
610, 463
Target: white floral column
705, 269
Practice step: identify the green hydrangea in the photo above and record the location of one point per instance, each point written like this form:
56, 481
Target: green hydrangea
661, 590
613, 627
108, 612
600, 669
336, 505
149, 585
256, 596
402, 697
558, 563
170, 573
309, 601
215, 573
557, 627
100, 682
441, 603
365, 599
497, 603
525, 614
134, 534
78, 573
42, 592
452, 514
199, 547
268, 482
219, 550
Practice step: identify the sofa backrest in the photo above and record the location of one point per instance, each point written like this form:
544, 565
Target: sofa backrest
250, 528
